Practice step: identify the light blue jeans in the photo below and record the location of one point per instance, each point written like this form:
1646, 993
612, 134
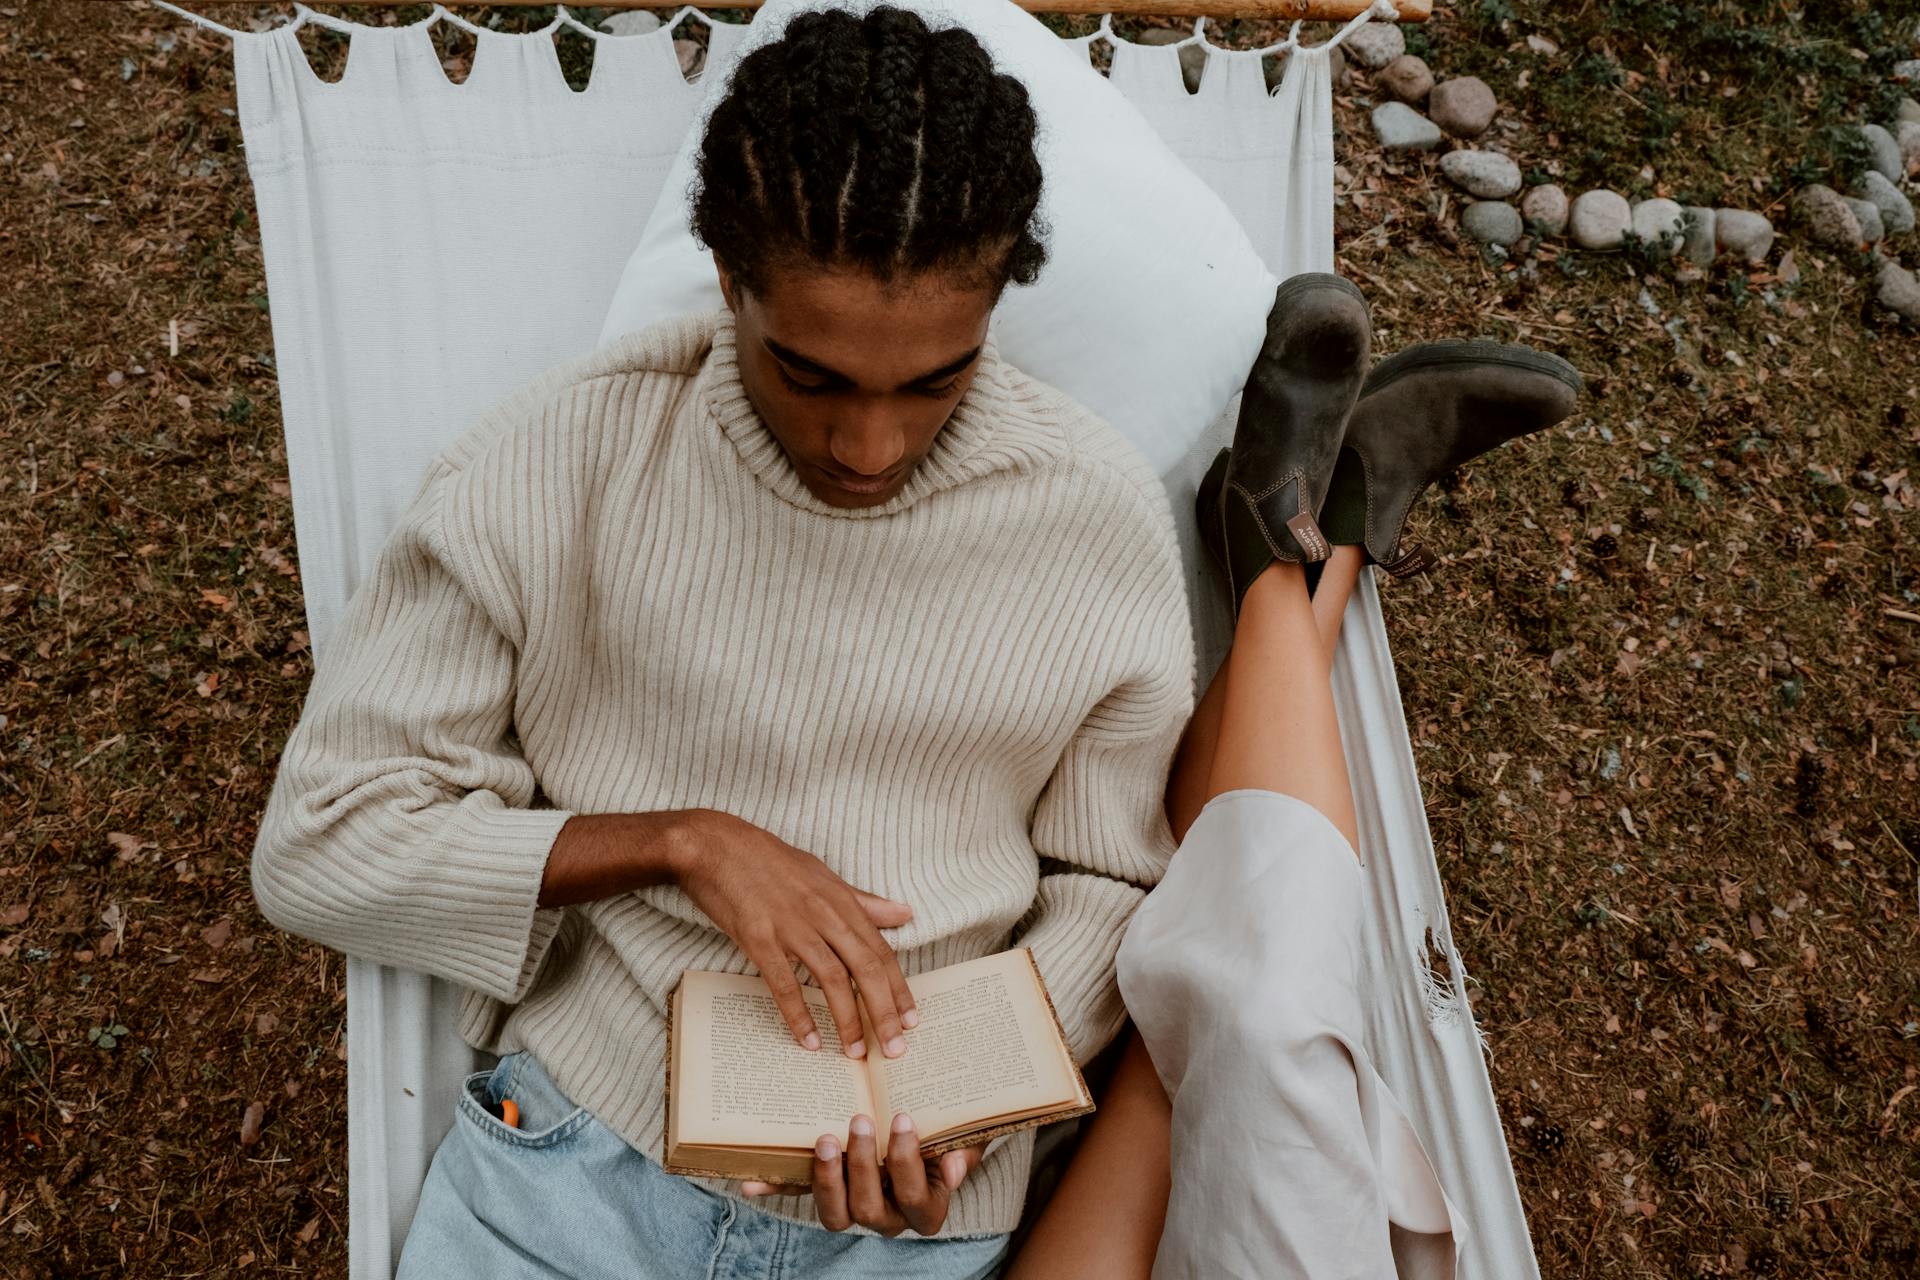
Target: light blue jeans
565, 1196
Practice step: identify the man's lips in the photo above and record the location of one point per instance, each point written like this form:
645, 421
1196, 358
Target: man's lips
862, 484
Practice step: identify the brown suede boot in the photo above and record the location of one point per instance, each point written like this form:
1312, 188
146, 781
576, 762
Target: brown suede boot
1423, 412
1293, 413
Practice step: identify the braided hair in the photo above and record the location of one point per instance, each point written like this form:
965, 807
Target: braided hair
871, 142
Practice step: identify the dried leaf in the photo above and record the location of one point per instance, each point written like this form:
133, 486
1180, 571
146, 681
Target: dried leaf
125, 847
15, 914
250, 1123
216, 934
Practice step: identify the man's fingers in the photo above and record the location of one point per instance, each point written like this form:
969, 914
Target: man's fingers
869, 958
865, 1199
884, 912
832, 978
924, 1207
773, 966
956, 1165
830, 1184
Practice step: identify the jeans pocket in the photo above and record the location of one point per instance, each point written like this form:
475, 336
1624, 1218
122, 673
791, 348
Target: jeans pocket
547, 1118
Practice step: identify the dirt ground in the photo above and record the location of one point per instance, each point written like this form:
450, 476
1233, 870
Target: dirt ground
1664, 685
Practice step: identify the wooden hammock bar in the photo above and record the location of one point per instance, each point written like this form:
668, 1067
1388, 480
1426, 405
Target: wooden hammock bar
1287, 10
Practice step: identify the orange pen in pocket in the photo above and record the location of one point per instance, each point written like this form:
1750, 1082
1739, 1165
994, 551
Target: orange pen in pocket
510, 1112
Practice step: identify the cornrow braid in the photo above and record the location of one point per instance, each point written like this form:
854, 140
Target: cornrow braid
875, 143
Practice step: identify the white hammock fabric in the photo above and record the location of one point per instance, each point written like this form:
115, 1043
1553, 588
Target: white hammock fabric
431, 246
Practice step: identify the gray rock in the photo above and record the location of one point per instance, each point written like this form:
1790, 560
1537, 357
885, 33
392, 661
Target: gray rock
1193, 59
1908, 71
1883, 152
1375, 44
1400, 128
1599, 219
1463, 106
1826, 217
1659, 220
1744, 232
1405, 79
1896, 211
1545, 209
692, 58
1897, 290
1486, 174
1906, 133
1492, 222
1698, 241
1867, 214
1905, 109
631, 22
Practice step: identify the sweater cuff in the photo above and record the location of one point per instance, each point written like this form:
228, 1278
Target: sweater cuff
504, 851
1076, 928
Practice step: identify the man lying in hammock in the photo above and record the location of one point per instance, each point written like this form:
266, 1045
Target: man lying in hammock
806, 619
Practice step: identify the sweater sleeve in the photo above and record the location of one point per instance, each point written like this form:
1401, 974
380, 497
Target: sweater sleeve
398, 828
1101, 824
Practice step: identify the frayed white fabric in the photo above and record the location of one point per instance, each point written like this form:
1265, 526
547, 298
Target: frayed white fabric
1245, 972
430, 247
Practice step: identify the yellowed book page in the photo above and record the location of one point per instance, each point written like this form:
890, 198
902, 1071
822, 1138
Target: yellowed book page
986, 1046
740, 1079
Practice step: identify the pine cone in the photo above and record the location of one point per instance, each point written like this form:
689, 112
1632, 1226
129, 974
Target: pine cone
1547, 1139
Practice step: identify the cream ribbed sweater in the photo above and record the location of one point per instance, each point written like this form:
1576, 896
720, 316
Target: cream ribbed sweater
615, 594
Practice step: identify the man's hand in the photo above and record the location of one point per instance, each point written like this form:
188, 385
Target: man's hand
782, 904
848, 1190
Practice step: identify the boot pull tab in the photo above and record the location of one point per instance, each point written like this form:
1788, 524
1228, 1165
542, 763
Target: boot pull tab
1307, 533
1414, 560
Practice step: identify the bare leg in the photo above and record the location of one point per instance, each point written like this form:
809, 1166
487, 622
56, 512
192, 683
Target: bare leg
1278, 728
1097, 1224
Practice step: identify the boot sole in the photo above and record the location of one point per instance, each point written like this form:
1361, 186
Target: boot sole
1307, 281
1450, 351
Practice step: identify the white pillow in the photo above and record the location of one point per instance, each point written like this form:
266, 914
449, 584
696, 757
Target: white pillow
1152, 305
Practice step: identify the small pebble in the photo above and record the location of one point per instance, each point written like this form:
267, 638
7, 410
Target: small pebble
1405, 79
1826, 217
691, 55
1896, 211
1486, 174
1599, 219
1898, 291
1659, 220
1867, 214
1375, 44
1744, 232
1906, 134
1463, 106
1400, 128
1883, 152
1491, 222
1545, 208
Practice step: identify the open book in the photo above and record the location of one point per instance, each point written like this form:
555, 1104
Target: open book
745, 1101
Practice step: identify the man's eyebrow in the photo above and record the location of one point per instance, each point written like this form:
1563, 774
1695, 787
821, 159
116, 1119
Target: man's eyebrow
799, 361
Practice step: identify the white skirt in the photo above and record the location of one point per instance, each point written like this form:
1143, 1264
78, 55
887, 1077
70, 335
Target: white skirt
1290, 1156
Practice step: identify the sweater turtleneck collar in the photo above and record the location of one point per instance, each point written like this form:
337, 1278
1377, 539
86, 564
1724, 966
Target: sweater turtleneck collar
979, 437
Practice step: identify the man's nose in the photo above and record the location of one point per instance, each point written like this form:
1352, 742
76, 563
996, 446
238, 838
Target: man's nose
868, 446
